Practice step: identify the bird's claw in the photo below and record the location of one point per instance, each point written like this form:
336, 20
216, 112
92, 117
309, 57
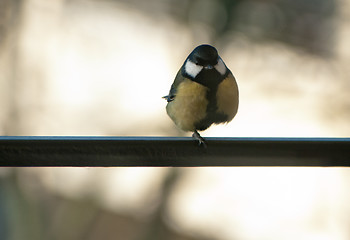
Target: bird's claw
201, 140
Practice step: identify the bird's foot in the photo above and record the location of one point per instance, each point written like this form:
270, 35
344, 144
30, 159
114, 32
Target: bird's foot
201, 140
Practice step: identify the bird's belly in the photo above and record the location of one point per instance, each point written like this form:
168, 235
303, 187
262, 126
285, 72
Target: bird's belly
189, 105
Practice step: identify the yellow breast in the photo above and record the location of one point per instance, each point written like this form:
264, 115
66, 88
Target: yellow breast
227, 97
189, 105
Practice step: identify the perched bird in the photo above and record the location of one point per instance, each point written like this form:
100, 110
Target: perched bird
204, 92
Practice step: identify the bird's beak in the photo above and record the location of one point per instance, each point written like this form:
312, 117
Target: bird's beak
208, 67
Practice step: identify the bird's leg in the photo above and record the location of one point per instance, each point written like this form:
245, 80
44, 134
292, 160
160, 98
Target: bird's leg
198, 137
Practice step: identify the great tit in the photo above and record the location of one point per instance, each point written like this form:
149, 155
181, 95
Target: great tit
204, 92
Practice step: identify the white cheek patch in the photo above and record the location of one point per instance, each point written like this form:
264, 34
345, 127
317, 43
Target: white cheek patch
220, 67
192, 69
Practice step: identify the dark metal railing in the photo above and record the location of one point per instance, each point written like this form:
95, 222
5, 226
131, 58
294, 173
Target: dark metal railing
172, 151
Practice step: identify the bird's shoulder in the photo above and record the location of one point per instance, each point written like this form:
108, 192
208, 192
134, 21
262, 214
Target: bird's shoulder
172, 93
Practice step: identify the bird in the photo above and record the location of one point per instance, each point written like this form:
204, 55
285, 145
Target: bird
204, 92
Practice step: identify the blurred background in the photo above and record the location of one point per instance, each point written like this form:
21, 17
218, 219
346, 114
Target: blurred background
100, 67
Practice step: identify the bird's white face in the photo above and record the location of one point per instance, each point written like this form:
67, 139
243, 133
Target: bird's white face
220, 66
193, 69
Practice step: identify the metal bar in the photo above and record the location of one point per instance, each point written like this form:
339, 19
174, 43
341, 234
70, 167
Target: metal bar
172, 151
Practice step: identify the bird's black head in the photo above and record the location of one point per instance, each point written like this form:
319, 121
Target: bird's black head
204, 55
204, 64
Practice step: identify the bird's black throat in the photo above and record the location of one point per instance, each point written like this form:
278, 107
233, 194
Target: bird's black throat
210, 78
